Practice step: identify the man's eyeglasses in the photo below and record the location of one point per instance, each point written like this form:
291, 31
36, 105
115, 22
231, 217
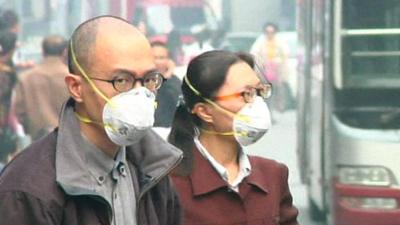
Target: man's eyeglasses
124, 82
263, 90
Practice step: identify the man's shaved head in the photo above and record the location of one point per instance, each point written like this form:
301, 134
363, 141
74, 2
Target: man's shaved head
84, 38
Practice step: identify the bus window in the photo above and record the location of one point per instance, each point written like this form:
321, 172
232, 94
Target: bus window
370, 43
370, 14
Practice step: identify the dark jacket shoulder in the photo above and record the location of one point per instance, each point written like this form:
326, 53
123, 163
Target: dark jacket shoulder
33, 172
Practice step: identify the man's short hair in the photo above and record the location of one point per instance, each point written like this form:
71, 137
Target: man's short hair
7, 42
8, 19
83, 40
54, 45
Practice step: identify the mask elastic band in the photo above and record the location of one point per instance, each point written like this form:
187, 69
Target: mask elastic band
230, 133
87, 120
87, 77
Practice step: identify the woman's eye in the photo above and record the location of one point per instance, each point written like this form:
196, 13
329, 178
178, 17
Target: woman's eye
247, 93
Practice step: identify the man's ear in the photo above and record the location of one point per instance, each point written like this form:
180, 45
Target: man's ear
203, 111
74, 85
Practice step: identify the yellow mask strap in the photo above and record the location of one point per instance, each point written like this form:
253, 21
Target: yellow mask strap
87, 77
87, 120
230, 133
239, 116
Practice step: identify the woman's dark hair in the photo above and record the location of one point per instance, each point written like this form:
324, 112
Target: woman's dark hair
206, 73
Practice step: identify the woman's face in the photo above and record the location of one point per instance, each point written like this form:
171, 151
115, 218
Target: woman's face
240, 77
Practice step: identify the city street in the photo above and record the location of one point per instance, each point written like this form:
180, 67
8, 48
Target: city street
280, 144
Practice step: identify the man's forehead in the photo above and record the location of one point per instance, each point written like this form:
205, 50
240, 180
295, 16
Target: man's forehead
131, 43
129, 51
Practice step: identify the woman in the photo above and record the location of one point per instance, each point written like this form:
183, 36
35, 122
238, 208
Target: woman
273, 52
224, 110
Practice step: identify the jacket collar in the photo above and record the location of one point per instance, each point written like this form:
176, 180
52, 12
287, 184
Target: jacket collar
152, 156
205, 178
258, 178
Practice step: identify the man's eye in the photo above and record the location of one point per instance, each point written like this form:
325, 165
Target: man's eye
121, 81
152, 79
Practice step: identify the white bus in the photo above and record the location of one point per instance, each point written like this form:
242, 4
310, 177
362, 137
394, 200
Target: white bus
349, 109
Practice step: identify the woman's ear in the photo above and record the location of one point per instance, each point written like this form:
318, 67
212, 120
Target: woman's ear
74, 85
203, 111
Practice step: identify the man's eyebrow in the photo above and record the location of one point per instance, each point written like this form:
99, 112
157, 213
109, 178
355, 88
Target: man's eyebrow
132, 73
151, 71
123, 71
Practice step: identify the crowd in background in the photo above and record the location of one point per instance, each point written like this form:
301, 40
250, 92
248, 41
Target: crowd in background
29, 110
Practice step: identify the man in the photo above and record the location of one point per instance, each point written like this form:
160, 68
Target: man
41, 90
167, 96
103, 165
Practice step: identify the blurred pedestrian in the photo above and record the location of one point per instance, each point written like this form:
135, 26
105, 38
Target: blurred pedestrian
168, 94
41, 90
273, 53
201, 44
103, 164
8, 126
8, 41
9, 21
175, 47
224, 110
218, 38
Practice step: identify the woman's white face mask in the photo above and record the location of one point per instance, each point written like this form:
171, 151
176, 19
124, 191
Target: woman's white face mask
252, 122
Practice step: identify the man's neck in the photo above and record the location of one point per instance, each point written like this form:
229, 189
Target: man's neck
97, 136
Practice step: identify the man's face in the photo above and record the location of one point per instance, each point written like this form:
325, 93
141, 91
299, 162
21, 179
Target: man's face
161, 58
116, 52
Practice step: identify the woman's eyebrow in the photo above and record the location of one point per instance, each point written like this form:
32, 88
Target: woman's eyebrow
252, 86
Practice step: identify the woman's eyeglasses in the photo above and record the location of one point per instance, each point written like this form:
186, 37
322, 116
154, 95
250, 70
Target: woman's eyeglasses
263, 90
